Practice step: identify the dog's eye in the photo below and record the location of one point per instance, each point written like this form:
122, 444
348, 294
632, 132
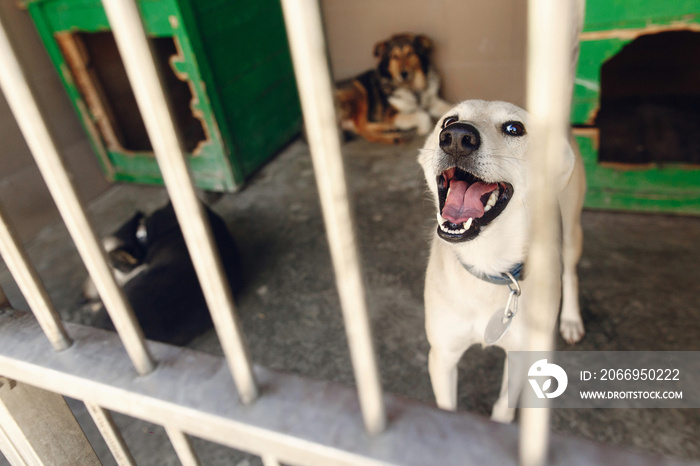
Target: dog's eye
513, 128
448, 121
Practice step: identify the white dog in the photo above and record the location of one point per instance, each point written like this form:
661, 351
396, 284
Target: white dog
475, 163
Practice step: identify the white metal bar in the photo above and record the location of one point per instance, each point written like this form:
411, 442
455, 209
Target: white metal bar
269, 460
21, 448
307, 44
182, 446
551, 49
298, 421
25, 109
30, 284
9, 450
130, 36
41, 426
111, 435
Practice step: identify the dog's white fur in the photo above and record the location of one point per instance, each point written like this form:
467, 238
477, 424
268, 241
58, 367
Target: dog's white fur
458, 305
417, 110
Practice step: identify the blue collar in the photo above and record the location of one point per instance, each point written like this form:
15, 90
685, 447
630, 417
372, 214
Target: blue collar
517, 271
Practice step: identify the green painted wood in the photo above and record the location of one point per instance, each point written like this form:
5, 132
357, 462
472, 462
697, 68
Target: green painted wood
586, 99
46, 34
606, 15
248, 58
88, 15
224, 45
612, 14
672, 188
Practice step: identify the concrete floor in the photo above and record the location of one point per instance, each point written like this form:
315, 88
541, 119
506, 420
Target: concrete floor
638, 291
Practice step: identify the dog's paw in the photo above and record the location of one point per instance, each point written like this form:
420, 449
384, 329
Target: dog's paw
502, 413
572, 330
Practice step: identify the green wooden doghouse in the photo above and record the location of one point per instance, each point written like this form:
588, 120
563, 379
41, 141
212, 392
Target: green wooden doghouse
231, 75
636, 106
226, 65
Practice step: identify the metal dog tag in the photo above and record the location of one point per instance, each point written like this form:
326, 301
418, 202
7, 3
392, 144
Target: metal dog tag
500, 320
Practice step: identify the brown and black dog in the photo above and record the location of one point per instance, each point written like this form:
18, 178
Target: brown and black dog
400, 94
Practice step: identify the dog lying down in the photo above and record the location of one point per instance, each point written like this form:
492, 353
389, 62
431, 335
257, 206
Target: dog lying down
475, 164
398, 95
150, 260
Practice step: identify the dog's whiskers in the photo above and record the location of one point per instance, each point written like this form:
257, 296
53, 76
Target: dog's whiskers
506, 157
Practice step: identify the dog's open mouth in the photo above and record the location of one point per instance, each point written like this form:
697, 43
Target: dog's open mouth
468, 203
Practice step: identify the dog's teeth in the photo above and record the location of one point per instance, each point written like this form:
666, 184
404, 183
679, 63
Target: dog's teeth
493, 198
487, 208
444, 227
464, 226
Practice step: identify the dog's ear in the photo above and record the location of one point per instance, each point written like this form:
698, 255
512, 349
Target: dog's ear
380, 48
422, 44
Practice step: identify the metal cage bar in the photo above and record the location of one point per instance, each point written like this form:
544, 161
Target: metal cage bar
9, 450
183, 447
186, 393
298, 421
129, 33
26, 111
40, 425
19, 446
111, 435
307, 44
270, 460
552, 47
29, 283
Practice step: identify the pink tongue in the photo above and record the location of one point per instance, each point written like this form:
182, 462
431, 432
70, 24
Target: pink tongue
462, 203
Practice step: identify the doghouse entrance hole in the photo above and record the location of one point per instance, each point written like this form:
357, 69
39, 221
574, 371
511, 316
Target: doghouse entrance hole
650, 101
101, 78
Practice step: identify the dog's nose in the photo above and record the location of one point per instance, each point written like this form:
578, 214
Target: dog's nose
404, 75
460, 139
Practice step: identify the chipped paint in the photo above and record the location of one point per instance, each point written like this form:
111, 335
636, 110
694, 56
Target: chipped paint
173, 61
76, 57
101, 122
633, 33
588, 84
94, 133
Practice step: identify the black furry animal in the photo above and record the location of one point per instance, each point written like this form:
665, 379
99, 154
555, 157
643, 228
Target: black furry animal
151, 261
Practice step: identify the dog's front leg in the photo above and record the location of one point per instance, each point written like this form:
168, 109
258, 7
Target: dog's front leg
571, 325
409, 114
419, 120
442, 365
501, 412
430, 100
